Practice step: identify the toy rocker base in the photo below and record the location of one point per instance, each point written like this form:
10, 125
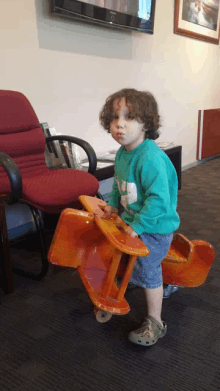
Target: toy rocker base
96, 245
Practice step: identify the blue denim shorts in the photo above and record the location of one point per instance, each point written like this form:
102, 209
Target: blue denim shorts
147, 271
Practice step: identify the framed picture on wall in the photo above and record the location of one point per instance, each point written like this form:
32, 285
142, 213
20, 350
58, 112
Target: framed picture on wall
197, 19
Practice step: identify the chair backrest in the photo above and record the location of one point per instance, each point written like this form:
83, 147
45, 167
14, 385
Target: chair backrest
21, 136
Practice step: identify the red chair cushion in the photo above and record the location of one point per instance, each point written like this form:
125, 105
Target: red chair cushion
52, 191
22, 138
17, 114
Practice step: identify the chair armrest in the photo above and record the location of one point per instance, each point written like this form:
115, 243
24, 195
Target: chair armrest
14, 176
83, 144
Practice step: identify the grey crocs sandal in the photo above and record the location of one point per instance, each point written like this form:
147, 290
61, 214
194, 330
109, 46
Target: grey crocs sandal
148, 333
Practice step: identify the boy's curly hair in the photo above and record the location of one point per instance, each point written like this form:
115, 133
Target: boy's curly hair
143, 108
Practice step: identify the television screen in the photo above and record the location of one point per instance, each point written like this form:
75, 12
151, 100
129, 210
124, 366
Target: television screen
132, 14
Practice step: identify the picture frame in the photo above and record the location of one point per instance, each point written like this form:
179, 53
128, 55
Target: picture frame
188, 20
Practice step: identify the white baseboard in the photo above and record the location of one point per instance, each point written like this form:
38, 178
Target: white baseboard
191, 165
194, 164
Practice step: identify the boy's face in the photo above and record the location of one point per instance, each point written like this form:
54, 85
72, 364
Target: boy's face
125, 130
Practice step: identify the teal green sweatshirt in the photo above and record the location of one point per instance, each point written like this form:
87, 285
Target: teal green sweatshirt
146, 184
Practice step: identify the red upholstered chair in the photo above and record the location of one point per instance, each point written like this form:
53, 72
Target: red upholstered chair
24, 176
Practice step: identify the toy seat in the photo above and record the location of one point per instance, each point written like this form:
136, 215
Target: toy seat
187, 262
95, 243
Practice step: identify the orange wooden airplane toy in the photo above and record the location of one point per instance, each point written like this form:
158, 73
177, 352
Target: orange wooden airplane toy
96, 245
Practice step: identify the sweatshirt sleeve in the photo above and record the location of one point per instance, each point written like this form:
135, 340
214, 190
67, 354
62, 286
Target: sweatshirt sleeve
156, 197
114, 197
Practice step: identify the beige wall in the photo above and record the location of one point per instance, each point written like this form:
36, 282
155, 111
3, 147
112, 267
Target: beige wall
68, 69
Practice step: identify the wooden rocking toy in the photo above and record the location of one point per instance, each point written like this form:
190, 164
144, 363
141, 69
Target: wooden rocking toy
96, 245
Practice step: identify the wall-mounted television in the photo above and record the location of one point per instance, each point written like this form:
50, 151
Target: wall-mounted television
131, 14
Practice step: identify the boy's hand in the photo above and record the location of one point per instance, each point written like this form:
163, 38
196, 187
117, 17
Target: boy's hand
129, 231
108, 209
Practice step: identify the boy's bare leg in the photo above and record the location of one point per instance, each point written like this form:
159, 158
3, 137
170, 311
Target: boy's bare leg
150, 330
154, 298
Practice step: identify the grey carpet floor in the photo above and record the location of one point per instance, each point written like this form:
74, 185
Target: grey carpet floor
50, 340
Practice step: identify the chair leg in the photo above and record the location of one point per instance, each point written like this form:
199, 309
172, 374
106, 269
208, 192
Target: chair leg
99, 195
5, 259
42, 244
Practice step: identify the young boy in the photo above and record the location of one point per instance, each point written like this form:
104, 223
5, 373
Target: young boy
146, 186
